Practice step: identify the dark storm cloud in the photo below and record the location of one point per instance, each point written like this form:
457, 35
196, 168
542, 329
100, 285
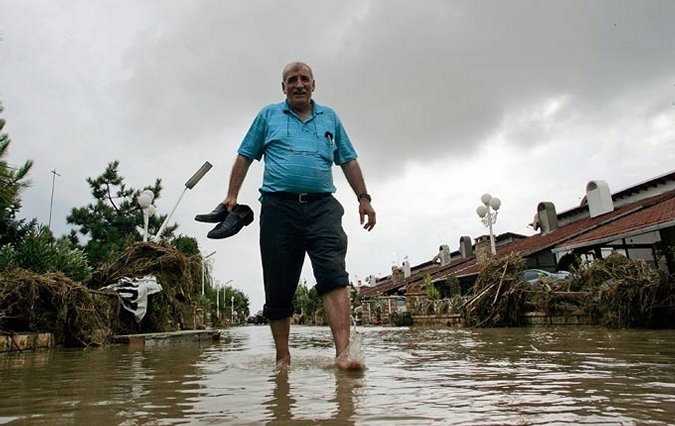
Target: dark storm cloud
204, 68
411, 82
439, 79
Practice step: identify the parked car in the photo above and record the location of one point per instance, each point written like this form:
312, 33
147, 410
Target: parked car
256, 319
535, 275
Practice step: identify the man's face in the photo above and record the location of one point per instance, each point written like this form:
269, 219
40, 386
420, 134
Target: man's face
298, 87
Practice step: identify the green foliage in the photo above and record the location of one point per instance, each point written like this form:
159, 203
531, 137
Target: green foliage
13, 180
241, 303
354, 296
300, 299
306, 300
110, 223
6, 257
40, 253
453, 287
431, 290
71, 260
186, 245
401, 319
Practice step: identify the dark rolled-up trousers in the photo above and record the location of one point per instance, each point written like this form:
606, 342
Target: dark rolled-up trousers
289, 228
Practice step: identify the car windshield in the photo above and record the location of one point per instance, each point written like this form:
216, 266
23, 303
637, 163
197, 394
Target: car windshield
531, 274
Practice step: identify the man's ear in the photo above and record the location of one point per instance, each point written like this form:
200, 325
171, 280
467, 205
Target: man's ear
283, 87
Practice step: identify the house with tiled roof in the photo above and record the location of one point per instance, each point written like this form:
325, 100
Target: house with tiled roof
638, 222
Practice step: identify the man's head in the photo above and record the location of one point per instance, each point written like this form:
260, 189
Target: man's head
298, 84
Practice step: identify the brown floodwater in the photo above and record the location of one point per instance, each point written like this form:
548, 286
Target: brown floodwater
414, 376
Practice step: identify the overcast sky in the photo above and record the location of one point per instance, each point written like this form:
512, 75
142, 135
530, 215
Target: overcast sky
443, 100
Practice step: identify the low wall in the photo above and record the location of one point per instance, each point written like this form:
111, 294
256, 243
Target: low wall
540, 318
450, 320
530, 318
13, 342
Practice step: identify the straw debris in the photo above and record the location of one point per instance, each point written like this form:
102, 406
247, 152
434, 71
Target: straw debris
169, 310
54, 303
628, 292
498, 295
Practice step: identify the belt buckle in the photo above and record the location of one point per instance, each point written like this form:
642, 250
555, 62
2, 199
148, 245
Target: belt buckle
302, 199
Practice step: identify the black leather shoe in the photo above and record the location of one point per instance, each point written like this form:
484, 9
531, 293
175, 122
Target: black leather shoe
217, 215
240, 216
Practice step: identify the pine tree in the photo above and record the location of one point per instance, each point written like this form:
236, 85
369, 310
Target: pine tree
110, 223
13, 180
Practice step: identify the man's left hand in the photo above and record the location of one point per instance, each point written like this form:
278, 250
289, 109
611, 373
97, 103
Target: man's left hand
365, 209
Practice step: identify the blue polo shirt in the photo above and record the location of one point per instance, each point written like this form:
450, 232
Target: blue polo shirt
298, 154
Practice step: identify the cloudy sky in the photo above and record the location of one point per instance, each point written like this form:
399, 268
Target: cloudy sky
444, 101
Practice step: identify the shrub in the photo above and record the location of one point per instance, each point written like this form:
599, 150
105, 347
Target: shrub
40, 253
430, 289
186, 245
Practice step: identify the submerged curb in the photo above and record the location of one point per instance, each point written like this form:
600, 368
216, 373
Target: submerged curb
166, 337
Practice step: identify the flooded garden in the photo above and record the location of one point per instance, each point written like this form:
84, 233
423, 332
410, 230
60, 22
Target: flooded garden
416, 375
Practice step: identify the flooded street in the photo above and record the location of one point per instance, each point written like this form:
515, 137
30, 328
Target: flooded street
414, 376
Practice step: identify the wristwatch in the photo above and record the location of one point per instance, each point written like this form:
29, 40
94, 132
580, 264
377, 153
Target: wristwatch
364, 195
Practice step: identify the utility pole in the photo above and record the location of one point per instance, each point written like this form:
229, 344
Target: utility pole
51, 201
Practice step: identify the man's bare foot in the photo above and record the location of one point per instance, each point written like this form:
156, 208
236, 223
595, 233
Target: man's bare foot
344, 362
350, 364
283, 363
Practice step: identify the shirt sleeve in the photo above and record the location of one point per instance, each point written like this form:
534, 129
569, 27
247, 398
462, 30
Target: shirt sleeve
254, 142
345, 151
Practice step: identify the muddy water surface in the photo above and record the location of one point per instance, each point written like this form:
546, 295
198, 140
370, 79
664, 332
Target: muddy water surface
414, 376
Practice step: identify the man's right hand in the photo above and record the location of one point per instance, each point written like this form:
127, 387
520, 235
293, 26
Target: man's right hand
239, 170
230, 202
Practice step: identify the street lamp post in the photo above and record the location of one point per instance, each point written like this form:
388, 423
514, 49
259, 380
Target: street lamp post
188, 185
217, 285
488, 215
51, 201
204, 262
232, 310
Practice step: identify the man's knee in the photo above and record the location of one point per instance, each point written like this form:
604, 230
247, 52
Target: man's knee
327, 286
277, 313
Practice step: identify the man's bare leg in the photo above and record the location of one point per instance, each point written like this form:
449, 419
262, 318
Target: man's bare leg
338, 313
280, 332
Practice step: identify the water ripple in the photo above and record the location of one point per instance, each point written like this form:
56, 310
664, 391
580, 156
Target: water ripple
414, 376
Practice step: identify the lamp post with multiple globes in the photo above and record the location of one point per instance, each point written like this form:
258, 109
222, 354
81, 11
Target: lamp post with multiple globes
144, 200
488, 215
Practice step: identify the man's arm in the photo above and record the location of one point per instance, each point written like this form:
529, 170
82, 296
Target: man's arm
352, 172
239, 170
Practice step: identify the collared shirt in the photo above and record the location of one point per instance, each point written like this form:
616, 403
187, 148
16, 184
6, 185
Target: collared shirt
299, 155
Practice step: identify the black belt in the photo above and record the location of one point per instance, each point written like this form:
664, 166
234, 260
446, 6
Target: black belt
300, 198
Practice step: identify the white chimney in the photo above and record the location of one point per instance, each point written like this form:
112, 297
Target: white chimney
547, 218
444, 254
599, 198
465, 247
406, 268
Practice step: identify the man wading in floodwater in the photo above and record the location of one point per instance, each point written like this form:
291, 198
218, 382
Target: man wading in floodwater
301, 140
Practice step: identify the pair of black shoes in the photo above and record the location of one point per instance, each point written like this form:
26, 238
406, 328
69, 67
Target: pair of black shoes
229, 223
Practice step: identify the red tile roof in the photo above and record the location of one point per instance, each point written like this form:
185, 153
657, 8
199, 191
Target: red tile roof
637, 217
658, 213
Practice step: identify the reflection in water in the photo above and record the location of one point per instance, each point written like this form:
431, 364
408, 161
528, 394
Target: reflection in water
282, 405
414, 376
282, 402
